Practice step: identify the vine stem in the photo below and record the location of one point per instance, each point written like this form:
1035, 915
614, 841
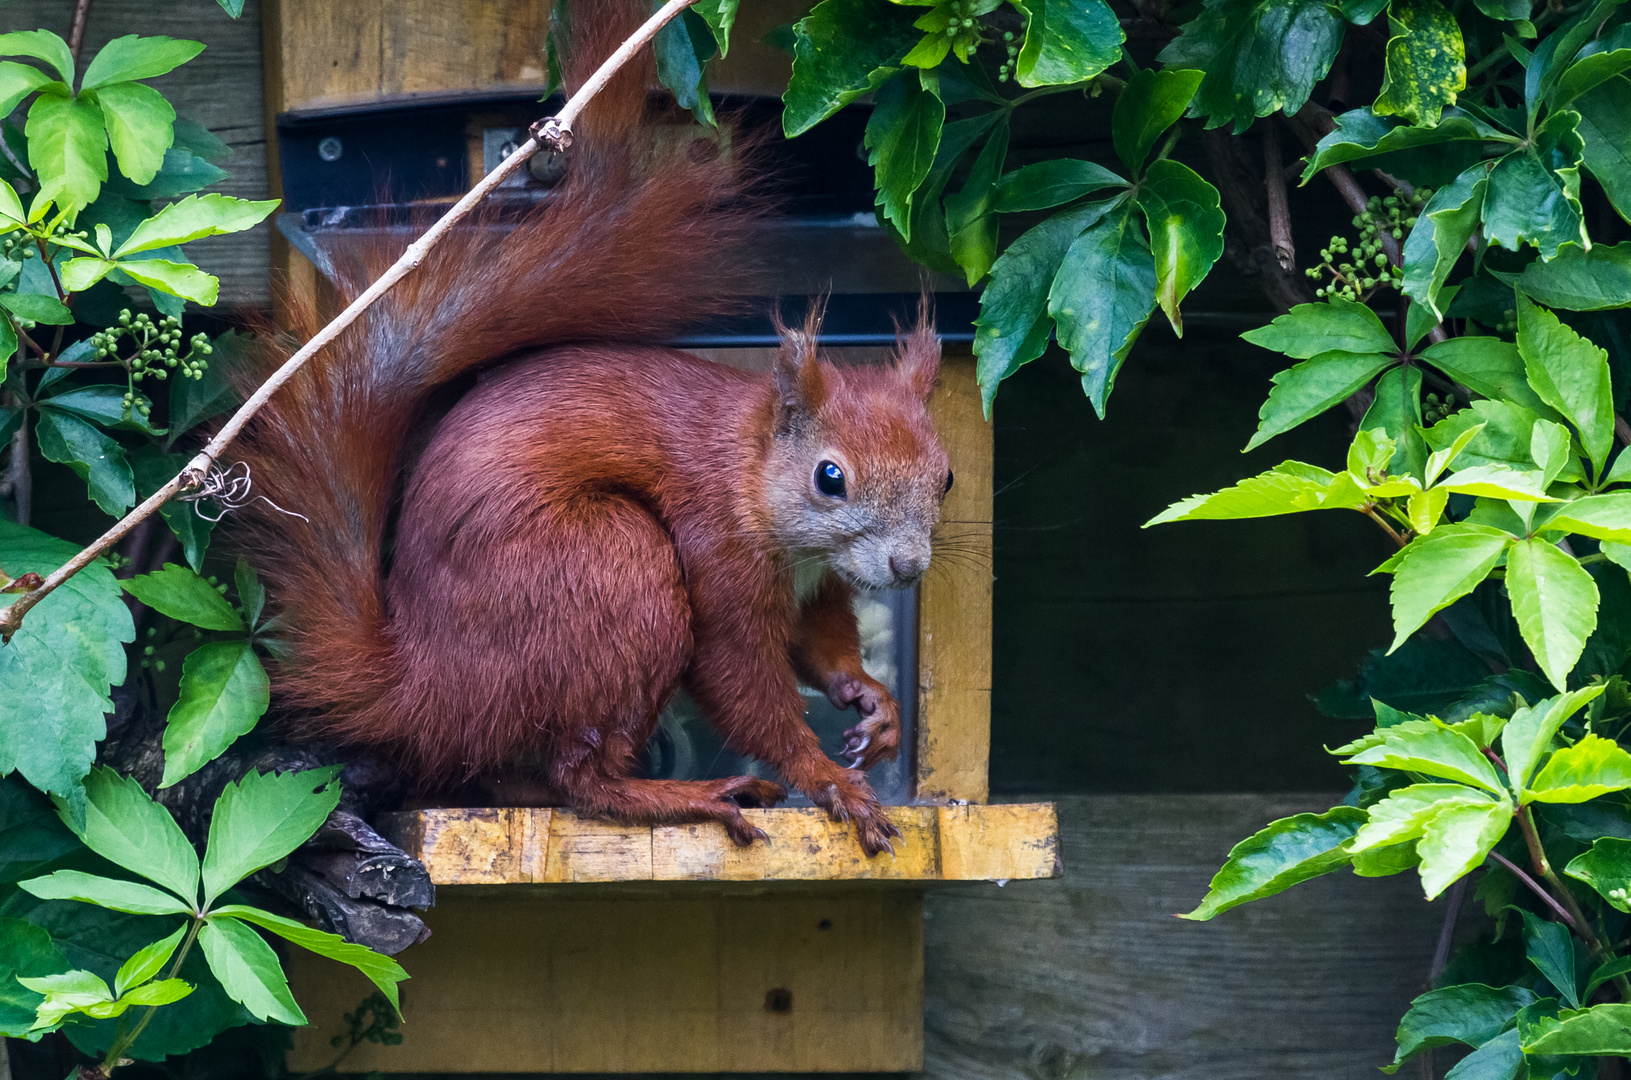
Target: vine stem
554, 132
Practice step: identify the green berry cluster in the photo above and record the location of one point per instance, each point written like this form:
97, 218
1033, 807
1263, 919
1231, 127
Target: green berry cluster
962, 27
17, 245
1006, 71
1434, 408
157, 347
1357, 269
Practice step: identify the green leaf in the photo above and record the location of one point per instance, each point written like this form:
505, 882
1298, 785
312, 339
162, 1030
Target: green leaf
67, 147
1606, 517
1600, 1030
718, 16
25, 950
1457, 841
1603, 59
1499, 482
1578, 280
1528, 734
1426, 62
1336, 325
17, 81
970, 218
1550, 947
1443, 457
177, 279
1426, 508
1396, 409
94, 457
1570, 374
1046, 184
683, 48
41, 309
80, 274
59, 665
129, 829
902, 136
130, 896
1605, 134
1491, 367
147, 962
224, 693
1066, 41
1424, 747
1013, 325
163, 992
1259, 56
384, 972
1606, 868
248, 970
1150, 103
841, 50
41, 45
1534, 194
194, 218
1360, 133
1403, 815
1611, 970
1555, 603
1591, 767
1287, 852
262, 818
1289, 488
1439, 569
1101, 299
153, 470
102, 404
140, 128
131, 57
1471, 1014
1306, 390
182, 595
1443, 227
1186, 231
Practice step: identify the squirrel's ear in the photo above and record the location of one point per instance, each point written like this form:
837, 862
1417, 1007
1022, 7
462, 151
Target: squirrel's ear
800, 385
917, 360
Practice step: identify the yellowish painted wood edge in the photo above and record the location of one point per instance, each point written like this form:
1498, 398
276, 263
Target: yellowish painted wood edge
527, 847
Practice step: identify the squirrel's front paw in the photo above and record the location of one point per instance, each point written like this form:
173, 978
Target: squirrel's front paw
853, 801
876, 737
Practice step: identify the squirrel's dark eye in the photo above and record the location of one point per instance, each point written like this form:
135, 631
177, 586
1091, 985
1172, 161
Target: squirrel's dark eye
829, 479
950, 476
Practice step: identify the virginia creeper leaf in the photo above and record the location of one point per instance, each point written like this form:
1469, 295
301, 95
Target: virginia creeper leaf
384, 972
1591, 767
1150, 103
1185, 221
262, 818
1606, 868
1335, 325
841, 50
95, 458
224, 692
1580, 280
111, 893
1421, 746
1443, 226
1439, 569
1066, 41
140, 128
1426, 62
129, 829
1457, 841
1287, 852
1306, 390
1570, 374
1046, 184
248, 970
132, 57
67, 146
1101, 299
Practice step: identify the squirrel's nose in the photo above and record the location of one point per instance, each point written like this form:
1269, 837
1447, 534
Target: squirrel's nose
906, 569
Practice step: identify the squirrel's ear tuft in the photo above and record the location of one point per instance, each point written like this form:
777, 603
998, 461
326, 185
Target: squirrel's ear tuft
917, 353
801, 387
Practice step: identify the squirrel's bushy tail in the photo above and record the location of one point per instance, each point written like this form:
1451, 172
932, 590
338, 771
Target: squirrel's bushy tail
628, 247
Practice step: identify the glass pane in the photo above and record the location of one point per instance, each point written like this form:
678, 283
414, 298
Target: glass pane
686, 746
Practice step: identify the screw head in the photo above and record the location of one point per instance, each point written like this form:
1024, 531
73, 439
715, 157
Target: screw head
330, 149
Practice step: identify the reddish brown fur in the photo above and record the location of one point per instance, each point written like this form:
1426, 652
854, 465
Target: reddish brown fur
595, 524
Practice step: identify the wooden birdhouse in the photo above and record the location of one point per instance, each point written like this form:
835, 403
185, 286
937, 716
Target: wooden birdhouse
565, 944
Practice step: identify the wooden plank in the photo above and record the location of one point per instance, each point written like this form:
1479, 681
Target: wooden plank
719, 983
522, 847
954, 604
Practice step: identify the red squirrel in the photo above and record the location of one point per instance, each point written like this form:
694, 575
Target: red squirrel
599, 521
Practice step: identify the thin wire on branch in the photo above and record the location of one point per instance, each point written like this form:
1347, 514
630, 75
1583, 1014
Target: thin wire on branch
552, 133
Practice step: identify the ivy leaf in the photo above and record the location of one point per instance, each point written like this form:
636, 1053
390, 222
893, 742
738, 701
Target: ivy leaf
1259, 56
1493, 368
130, 830
1527, 735
1602, 1030
110, 893
1066, 41
1499, 482
1591, 767
1534, 194
970, 218
1308, 330
41, 45
181, 594
248, 970
384, 972
1013, 325
1289, 488
262, 818
1306, 390
1185, 220
1457, 841
1150, 103
80, 274
97, 459
1101, 299
1287, 852
1606, 868
101, 404
41, 309
1550, 947
1360, 133
1396, 409
132, 57
17, 81
1555, 603
1403, 815
902, 135
147, 962
1580, 280
1421, 746
67, 147
177, 279
1443, 227
1570, 374
1605, 517
194, 218
140, 127
224, 693
1046, 184
1426, 62
841, 50
1439, 569
1471, 1014
1605, 135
